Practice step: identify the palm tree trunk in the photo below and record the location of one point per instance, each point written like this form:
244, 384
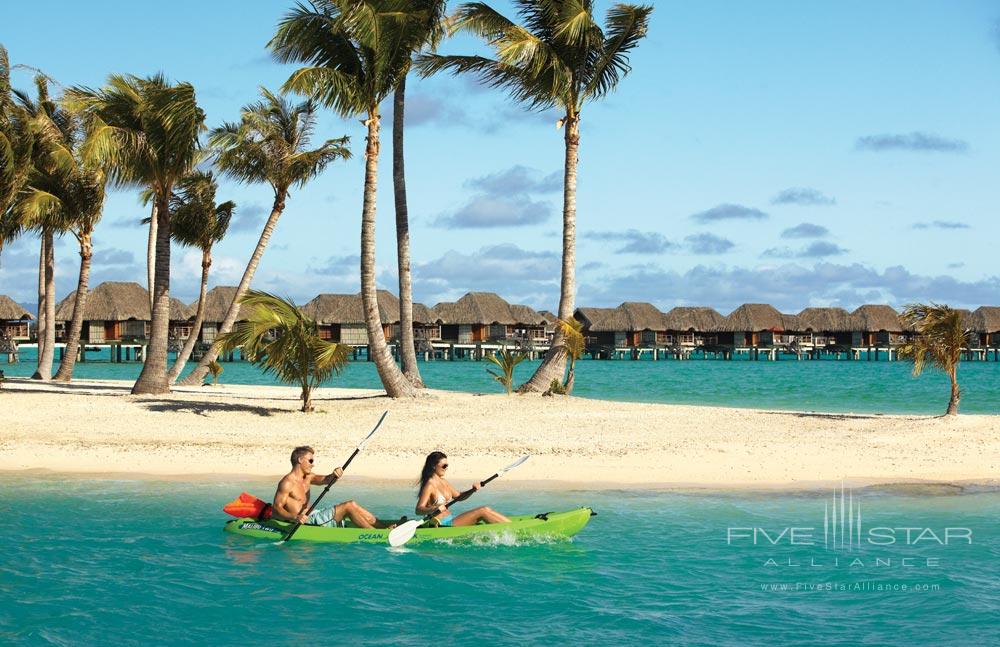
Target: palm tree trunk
407, 352
40, 325
199, 318
151, 255
65, 372
395, 383
44, 371
955, 394
307, 403
554, 364
196, 376
153, 378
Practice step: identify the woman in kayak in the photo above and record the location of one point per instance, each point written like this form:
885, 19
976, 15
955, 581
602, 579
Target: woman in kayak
436, 491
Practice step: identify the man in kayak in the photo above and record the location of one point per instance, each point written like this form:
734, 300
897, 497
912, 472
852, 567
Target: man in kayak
291, 500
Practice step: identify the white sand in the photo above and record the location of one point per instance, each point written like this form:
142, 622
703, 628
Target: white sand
96, 427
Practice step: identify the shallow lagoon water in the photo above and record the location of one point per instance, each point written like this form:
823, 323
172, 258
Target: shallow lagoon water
822, 385
128, 562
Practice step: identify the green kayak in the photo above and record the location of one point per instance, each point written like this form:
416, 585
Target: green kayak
547, 526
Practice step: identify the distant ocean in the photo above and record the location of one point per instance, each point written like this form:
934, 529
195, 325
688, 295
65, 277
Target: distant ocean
124, 562
821, 385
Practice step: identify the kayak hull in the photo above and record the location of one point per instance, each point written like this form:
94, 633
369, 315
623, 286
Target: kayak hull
544, 527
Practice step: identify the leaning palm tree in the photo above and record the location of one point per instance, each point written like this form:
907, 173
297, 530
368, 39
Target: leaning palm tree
939, 339
270, 144
560, 58
146, 134
433, 28
64, 193
282, 340
197, 222
356, 52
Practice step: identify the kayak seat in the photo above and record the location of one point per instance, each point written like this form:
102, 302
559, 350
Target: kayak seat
543, 516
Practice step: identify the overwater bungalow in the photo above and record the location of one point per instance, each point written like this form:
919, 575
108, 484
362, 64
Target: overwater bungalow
217, 302
485, 316
829, 328
692, 327
632, 324
116, 312
14, 320
984, 324
341, 318
879, 325
758, 325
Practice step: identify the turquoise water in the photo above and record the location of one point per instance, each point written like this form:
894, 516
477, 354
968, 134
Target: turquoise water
120, 562
824, 385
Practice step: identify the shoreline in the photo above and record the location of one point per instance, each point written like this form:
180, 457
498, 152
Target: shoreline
95, 429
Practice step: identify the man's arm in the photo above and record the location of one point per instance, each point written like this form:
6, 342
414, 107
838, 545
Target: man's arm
328, 479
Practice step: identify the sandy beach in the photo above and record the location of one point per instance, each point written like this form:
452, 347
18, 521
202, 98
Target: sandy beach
97, 428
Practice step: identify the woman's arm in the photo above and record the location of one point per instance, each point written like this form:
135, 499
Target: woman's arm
425, 505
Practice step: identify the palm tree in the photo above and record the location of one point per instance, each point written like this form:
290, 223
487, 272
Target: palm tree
16, 143
356, 52
434, 29
64, 193
197, 222
146, 134
506, 360
270, 144
282, 340
940, 337
560, 58
37, 206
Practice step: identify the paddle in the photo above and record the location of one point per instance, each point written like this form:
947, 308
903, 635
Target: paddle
404, 533
357, 450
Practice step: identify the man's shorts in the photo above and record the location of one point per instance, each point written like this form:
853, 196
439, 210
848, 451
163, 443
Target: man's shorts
323, 517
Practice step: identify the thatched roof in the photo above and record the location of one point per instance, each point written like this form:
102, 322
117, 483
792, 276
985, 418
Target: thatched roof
118, 301
602, 319
643, 316
875, 317
985, 319
756, 317
485, 308
10, 310
549, 317
217, 302
692, 318
349, 309
828, 320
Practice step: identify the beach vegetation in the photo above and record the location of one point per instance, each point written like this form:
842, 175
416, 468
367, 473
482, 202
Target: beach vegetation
197, 221
505, 360
939, 336
574, 345
558, 57
279, 338
145, 132
354, 56
215, 370
271, 144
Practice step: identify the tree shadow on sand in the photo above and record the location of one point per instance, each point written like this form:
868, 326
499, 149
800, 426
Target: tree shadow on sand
205, 408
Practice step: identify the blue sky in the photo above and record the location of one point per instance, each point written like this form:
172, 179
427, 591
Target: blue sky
794, 153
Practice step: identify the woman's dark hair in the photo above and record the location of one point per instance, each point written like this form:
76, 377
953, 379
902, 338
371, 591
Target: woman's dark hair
432, 460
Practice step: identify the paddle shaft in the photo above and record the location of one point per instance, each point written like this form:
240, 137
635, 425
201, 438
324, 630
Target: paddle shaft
461, 497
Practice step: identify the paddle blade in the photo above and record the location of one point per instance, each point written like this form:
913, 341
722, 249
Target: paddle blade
404, 533
362, 444
515, 463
